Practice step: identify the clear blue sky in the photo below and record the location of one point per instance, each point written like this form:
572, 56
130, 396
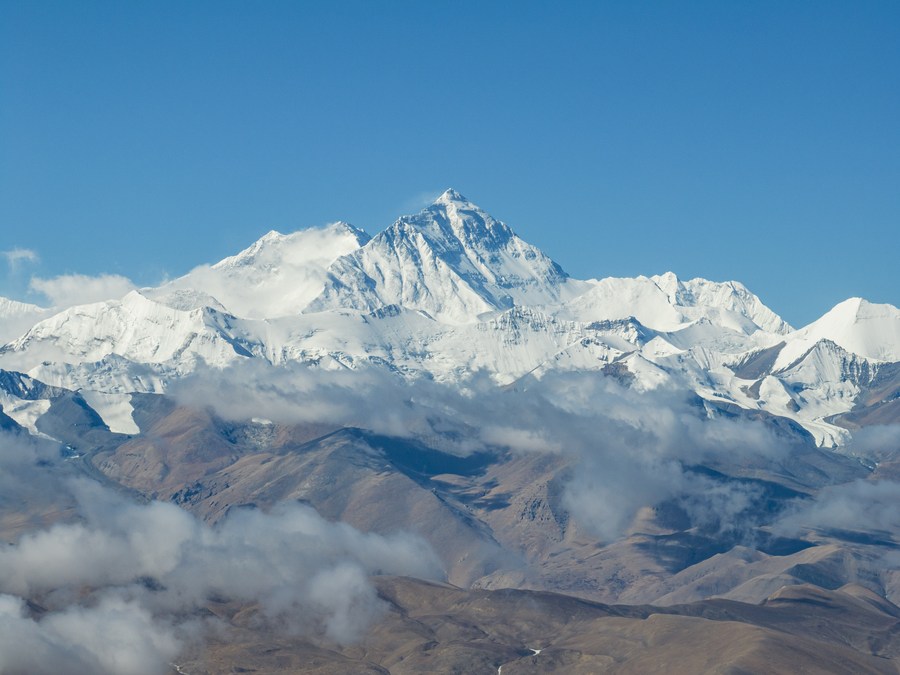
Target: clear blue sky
758, 141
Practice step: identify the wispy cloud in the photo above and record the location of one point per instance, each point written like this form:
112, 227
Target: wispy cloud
419, 201
16, 257
862, 505
78, 289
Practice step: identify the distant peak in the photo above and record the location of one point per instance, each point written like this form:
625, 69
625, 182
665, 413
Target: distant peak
343, 226
846, 308
860, 308
338, 227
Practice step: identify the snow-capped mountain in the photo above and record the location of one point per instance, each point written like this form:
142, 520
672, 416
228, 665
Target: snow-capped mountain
730, 296
665, 303
443, 294
134, 335
24, 399
452, 260
279, 275
869, 330
825, 381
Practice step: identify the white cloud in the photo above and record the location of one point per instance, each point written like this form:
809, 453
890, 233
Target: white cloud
78, 289
878, 441
16, 256
862, 505
628, 449
122, 582
420, 201
114, 636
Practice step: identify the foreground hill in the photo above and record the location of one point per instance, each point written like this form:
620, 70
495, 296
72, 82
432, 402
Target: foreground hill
437, 628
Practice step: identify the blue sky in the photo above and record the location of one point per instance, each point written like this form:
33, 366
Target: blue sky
752, 141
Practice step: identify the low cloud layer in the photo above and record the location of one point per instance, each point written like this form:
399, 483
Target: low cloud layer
113, 572
629, 449
117, 586
112, 636
878, 441
861, 505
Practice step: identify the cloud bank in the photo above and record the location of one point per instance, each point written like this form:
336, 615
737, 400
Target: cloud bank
628, 449
116, 586
860, 506
877, 441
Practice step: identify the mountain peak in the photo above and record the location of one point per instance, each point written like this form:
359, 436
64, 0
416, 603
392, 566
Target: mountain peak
860, 308
321, 244
452, 218
731, 296
277, 275
16, 317
861, 327
271, 235
853, 310
449, 196
452, 260
342, 226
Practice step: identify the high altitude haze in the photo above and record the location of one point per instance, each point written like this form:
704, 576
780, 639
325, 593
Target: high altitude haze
719, 140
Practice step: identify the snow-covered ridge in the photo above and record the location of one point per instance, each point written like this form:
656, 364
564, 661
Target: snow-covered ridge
16, 317
278, 275
730, 296
135, 327
864, 328
442, 294
10, 308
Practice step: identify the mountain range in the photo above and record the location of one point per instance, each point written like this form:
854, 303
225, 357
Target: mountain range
596, 475
451, 291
